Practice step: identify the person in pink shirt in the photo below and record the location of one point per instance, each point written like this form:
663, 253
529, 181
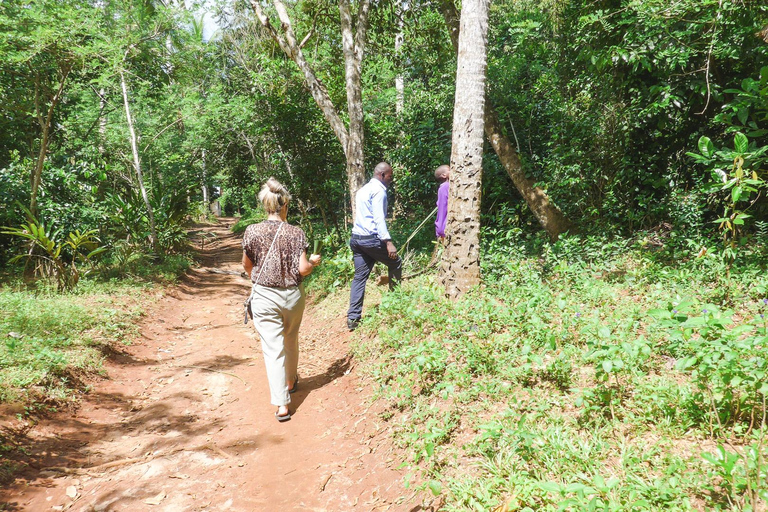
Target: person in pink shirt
442, 175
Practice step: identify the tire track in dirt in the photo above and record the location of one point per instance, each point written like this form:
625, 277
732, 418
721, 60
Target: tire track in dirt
183, 420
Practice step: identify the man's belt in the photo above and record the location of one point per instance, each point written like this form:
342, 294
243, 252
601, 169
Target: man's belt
364, 237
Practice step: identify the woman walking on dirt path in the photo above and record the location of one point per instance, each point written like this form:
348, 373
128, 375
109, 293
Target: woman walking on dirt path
275, 257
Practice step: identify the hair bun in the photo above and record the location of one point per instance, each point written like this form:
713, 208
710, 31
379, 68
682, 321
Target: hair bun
273, 195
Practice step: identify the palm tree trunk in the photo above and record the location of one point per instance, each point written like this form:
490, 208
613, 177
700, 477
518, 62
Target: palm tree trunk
460, 269
549, 216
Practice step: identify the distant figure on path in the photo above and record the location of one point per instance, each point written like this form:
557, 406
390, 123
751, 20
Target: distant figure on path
275, 257
442, 175
371, 241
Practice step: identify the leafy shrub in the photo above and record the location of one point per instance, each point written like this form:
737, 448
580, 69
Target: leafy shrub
737, 174
742, 475
726, 360
55, 257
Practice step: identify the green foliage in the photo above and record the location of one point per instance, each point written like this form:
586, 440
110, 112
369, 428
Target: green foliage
128, 221
739, 173
602, 99
336, 270
56, 257
741, 474
726, 360
250, 217
50, 344
567, 382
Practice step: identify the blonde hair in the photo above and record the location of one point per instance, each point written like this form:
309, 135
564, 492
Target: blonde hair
274, 195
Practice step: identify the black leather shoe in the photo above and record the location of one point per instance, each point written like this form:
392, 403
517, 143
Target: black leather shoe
352, 324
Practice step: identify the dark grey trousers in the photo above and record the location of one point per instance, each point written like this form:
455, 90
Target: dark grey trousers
365, 254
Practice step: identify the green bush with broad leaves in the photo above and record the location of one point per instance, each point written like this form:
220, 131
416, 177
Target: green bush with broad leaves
739, 173
55, 256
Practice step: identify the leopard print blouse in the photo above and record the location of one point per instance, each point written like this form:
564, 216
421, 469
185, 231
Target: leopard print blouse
281, 269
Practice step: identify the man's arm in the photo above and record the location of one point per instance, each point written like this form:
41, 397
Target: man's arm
378, 211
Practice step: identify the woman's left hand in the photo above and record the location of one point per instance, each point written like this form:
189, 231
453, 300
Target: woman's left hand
315, 259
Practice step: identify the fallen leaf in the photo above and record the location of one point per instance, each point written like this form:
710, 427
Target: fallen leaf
156, 500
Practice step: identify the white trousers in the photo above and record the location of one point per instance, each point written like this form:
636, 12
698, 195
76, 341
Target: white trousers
277, 316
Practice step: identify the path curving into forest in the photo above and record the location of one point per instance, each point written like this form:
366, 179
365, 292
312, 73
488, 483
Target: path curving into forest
182, 422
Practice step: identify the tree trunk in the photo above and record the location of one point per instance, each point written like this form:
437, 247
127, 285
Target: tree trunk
351, 140
399, 81
137, 163
549, 216
205, 184
38, 171
460, 269
763, 34
45, 127
102, 120
353, 57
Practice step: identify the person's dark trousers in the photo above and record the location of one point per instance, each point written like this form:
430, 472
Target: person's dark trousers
366, 251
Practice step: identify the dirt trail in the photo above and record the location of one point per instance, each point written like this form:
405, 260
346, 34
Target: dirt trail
183, 421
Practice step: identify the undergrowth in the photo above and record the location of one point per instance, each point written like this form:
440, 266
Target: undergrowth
594, 375
51, 341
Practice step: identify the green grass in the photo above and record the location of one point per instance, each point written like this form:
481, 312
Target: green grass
50, 343
574, 380
247, 219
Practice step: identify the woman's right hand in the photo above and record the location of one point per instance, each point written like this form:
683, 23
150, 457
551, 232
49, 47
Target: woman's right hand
315, 259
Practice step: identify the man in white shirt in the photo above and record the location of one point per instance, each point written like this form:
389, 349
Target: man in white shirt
371, 241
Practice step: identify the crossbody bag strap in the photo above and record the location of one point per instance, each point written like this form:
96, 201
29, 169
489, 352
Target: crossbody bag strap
269, 251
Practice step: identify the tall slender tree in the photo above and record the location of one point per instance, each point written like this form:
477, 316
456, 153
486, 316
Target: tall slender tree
549, 216
137, 160
460, 268
353, 37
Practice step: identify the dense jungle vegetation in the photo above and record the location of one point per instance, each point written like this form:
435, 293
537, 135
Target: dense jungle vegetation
621, 366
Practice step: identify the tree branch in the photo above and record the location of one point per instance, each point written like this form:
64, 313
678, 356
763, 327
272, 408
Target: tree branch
160, 133
270, 29
291, 48
306, 37
362, 28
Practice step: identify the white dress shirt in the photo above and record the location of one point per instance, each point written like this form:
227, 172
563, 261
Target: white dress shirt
371, 210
